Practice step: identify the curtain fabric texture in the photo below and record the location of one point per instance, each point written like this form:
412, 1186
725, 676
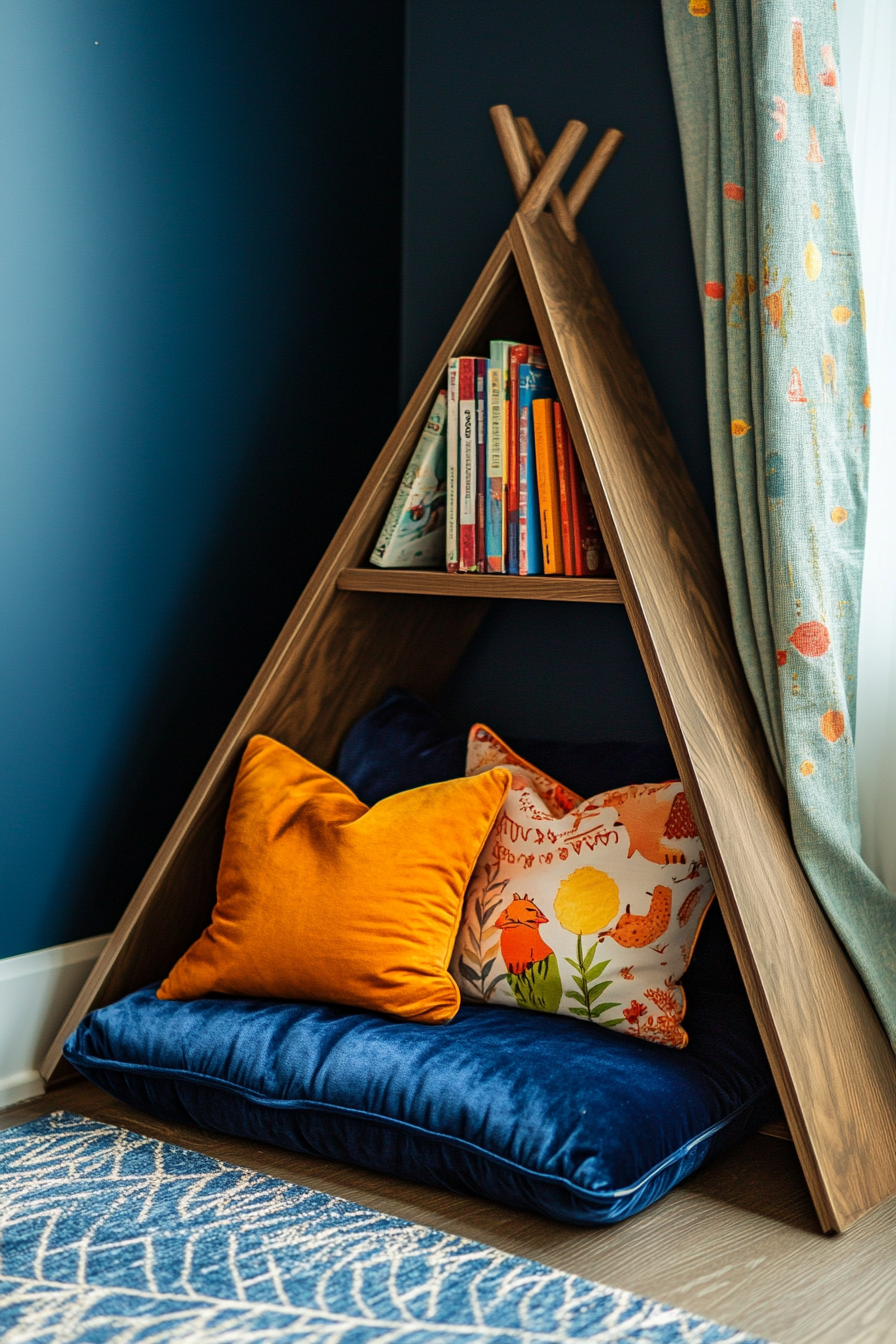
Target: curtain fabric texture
869, 29
757, 94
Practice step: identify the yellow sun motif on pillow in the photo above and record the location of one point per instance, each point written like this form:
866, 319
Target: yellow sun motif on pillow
586, 901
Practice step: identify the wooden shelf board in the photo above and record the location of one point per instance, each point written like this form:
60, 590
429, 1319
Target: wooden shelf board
543, 588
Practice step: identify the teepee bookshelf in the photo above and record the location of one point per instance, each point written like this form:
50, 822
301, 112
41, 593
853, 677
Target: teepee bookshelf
356, 631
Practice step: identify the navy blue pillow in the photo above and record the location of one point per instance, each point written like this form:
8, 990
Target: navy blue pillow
404, 743
535, 1111
400, 745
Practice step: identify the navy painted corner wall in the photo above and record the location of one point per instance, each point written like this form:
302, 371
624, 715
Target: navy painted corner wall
198, 363
572, 673
201, 307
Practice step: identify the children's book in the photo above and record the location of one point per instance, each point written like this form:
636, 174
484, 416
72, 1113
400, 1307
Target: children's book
532, 355
595, 559
498, 409
481, 462
563, 448
452, 540
534, 383
589, 556
466, 433
494, 513
548, 485
413, 535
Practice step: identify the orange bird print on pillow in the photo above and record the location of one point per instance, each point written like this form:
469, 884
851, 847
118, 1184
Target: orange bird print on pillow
641, 930
646, 817
532, 970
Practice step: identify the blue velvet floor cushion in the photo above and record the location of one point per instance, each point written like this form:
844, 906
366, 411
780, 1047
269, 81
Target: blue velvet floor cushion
534, 1111
404, 743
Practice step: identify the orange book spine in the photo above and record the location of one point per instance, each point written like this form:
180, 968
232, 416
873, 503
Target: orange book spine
548, 488
563, 448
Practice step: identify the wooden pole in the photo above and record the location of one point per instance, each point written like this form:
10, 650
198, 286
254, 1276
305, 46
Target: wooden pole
555, 165
512, 148
535, 155
590, 175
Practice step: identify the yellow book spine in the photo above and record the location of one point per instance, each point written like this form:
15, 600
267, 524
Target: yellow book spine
548, 486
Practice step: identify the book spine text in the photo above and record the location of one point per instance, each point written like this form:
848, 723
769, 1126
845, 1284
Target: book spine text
494, 523
466, 430
451, 501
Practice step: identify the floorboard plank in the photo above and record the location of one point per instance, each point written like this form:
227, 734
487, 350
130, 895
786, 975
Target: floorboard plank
738, 1242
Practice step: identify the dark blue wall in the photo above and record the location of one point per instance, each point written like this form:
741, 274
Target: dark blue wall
567, 672
198, 362
186, 292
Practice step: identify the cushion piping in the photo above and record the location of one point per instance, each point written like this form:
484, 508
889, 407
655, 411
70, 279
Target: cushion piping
204, 1080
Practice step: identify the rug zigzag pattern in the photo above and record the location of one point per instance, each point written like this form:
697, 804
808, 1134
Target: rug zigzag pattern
109, 1236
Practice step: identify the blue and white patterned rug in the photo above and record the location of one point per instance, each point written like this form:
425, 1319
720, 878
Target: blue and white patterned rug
110, 1238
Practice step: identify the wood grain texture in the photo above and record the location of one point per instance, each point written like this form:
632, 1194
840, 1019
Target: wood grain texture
512, 149
552, 170
591, 174
541, 588
535, 155
835, 1071
737, 1242
337, 654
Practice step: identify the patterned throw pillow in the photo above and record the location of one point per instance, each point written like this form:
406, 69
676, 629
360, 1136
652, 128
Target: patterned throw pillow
584, 906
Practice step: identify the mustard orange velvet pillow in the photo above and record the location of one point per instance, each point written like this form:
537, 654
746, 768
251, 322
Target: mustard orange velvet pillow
323, 898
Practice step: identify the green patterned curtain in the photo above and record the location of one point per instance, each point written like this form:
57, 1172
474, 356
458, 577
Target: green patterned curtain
757, 94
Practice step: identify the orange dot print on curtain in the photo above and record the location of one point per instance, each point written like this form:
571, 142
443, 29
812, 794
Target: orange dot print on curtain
791, 363
811, 639
833, 725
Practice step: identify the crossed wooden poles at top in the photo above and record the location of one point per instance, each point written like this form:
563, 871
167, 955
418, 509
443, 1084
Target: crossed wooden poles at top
523, 155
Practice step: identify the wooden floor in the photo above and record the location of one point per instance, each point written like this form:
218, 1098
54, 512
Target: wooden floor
737, 1242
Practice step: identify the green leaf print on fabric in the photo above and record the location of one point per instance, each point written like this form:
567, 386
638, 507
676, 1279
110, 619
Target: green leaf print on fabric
588, 993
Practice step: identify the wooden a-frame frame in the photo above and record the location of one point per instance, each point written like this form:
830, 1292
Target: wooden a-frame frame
357, 631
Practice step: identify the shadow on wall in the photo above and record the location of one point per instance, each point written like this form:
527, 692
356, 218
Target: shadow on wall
199, 365
605, 63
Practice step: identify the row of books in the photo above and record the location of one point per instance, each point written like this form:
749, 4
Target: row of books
494, 485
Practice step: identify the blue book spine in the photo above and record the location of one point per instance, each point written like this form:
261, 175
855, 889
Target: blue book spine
498, 462
534, 382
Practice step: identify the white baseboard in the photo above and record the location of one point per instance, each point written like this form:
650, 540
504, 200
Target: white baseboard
36, 992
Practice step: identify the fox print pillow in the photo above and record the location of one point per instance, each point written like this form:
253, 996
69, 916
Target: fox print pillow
586, 906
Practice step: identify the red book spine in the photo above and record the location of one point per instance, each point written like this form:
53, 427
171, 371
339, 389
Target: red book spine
563, 449
576, 487
591, 560
467, 463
